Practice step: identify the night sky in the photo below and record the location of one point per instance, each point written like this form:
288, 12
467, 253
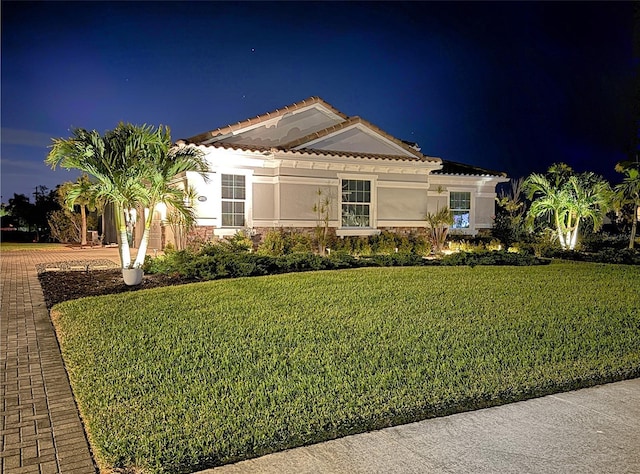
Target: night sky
506, 86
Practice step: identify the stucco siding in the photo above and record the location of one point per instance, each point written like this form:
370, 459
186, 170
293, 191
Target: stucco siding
264, 201
485, 210
297, 201
401, 204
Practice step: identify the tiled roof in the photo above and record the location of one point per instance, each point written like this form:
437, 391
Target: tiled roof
311, 151
448, 167
260, 118
453, 168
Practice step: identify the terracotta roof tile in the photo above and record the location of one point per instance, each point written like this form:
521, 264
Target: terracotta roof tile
311, 151
453, 168
276, 113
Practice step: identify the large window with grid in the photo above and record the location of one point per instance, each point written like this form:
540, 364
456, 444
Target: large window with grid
233, 200
356, 203
460, 206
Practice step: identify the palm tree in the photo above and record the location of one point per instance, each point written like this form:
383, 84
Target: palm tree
439, 223
133, 167
629, 193
568, 199
80, 193
164, 163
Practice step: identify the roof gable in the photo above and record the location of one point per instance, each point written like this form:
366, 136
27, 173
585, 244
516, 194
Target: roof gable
276, 128
357, 138
310, 125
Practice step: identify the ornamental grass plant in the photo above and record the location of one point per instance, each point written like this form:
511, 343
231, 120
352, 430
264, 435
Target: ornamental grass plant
181, 378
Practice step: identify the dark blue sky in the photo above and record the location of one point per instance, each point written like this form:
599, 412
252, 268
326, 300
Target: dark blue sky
507, 86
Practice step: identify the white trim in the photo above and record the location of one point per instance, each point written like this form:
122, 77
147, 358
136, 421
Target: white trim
403, 185
348, 231
364, 129
310, 180
227, 231
365, 165
273, 121
290, 223
475, 181
324, 181
206, 221
389, 223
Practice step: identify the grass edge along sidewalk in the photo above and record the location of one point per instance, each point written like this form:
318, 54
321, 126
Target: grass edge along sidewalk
182, 378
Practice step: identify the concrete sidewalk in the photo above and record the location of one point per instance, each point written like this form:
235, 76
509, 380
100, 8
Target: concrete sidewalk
595, 430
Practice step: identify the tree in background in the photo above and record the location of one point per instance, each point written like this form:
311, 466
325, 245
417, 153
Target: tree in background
32, 217
628, 193
79, 193
569, 199
22, 210
508, 225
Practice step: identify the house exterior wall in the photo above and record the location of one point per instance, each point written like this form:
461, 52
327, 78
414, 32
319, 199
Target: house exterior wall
282, 189
401, 206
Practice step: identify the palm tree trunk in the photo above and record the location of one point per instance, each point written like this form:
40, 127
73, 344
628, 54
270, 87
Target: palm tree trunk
634, 227
83, 229
144, 243
574, 237
123, 241
560, 233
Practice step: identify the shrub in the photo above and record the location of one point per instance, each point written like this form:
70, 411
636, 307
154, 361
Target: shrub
397, 260
273, 243
597, 241
491, 258
297, 242
623, 256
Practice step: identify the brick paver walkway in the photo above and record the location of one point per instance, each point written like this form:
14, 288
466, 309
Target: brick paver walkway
40, 428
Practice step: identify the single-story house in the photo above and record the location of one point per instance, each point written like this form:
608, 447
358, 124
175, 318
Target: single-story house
270, 171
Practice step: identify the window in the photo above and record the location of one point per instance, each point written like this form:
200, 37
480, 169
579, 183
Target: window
233, 200
460, 205
356, 203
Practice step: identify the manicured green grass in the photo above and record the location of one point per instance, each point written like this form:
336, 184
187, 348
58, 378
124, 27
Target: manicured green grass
180, 378
12, 246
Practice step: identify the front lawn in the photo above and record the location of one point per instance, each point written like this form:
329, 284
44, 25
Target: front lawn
13, 246
180, 378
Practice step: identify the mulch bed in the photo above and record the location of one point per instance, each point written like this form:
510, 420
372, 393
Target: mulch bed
59, 286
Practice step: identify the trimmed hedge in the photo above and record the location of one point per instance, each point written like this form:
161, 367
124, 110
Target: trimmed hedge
211, 265
619, 256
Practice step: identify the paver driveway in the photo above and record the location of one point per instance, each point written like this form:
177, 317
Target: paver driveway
40, 429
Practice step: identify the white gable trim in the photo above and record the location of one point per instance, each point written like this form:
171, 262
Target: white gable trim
273, 121
363, 128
